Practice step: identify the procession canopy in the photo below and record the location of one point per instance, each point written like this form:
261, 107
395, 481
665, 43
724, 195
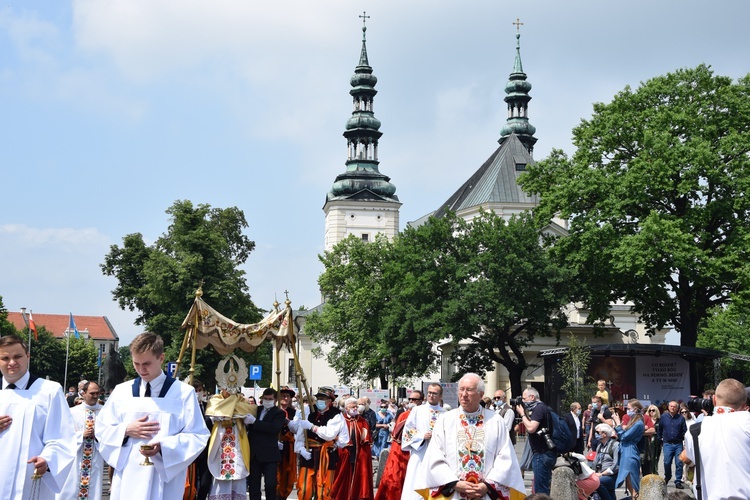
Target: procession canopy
226, 335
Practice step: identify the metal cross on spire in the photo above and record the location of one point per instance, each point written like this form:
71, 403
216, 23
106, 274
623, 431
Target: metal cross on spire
518, 25
364, 18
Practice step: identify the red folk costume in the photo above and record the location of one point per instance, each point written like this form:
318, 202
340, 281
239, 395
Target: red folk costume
392, 481
354, 475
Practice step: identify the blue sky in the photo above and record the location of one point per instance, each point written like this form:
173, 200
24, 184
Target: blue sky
110, 110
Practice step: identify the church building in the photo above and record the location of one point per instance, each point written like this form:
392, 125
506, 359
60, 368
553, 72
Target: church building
362, 202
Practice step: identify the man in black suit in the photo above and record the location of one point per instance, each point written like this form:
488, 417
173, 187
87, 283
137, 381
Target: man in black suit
264, 446
573, 419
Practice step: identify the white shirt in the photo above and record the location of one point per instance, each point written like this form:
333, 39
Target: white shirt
156, 385
724, 443
20, 383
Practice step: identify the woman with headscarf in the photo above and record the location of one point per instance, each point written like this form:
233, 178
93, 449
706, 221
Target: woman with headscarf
630, 456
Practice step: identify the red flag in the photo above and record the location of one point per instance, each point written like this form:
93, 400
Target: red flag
32, 326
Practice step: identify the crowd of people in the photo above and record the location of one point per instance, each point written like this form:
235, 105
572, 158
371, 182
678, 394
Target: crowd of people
162, 438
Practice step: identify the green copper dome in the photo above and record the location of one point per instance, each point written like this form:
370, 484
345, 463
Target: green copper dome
517, 98
362, 179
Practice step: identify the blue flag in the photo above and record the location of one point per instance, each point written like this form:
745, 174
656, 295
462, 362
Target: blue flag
72, 327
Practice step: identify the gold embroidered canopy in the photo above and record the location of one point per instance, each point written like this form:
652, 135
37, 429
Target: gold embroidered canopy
225, 335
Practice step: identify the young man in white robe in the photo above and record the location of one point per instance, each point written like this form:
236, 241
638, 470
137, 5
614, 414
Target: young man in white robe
36, 431
86, 476
417, 434
153, 411
470, 454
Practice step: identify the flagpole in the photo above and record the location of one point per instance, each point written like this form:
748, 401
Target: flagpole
25, 320
67, 351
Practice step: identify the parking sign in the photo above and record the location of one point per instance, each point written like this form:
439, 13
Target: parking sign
256, 372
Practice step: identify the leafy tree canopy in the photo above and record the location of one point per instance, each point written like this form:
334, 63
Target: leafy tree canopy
656, 198
486, 285
728, 329
203, 245
6, 327
486, 281
356, 295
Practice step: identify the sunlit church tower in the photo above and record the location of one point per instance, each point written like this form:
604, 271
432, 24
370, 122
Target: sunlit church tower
493, 186
362, 200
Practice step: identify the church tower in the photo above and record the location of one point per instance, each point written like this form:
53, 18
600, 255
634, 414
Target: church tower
494, 185
362, 200
517, 90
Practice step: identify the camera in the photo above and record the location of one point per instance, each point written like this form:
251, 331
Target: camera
701, 404
516, 401
598, 467
544, 432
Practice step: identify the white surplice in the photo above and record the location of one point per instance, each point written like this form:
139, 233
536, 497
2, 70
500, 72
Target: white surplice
182, 436
421, 420
93, 472
457, 451
41, 426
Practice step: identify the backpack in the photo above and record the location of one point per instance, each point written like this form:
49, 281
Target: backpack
512, 430
563, 439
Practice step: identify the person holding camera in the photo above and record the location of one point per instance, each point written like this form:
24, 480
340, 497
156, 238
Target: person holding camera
723, 465
672, 429
537, 419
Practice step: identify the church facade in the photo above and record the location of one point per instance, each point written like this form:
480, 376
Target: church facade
362, 202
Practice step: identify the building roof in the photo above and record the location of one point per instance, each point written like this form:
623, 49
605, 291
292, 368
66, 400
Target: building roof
495, 180
99, 327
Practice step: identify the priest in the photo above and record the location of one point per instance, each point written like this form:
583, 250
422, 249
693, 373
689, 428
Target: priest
86, 476
229, 446
470, 455
36, 431
153, 417
417, 433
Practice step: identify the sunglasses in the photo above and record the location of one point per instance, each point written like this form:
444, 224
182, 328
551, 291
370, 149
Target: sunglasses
683, 411
415, 399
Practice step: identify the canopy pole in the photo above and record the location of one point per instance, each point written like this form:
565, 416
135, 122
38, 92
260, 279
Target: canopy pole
194, 340
297, 366
182, 353
277, 353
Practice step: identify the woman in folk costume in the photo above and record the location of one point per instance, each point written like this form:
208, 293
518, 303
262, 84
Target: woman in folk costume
353, 479
229, 448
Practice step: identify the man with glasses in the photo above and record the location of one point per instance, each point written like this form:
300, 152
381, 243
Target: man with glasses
86, 477
536, 416
470, 455
506, 413
672, 429
417, 434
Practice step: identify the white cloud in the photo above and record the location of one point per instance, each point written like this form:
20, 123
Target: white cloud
19, 235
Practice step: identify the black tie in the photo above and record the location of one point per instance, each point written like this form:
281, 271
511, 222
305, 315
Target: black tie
147, 394
11, 386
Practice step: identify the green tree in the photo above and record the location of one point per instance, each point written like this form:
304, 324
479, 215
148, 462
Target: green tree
48, 356
6, 327
486, 284
576, 384
202, 245
352, 317
656, 198
728, 329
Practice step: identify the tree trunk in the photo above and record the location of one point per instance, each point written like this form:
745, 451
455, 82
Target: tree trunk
514, 374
